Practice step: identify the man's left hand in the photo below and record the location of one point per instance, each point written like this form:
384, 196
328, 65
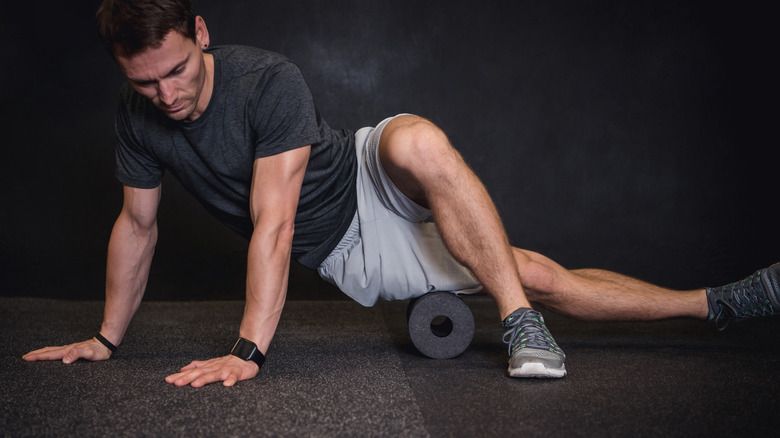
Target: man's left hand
227, 369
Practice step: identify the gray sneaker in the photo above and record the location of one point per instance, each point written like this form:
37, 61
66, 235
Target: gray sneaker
532, 350
757, 295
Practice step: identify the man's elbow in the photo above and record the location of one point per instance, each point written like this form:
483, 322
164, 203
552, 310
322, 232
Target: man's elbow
142, 227
279, 236
286, 233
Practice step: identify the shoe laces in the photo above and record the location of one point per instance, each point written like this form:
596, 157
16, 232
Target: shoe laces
741, 300
527, 330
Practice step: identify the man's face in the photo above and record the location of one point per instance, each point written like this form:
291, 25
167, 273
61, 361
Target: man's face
173, 76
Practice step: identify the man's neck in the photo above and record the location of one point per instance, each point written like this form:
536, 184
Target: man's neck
207, 90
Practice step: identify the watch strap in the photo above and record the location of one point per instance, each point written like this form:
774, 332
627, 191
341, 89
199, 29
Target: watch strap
106, 342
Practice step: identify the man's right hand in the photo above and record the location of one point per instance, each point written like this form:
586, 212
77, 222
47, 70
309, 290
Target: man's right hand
89, 350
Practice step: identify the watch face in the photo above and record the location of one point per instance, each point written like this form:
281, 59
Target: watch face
247, 350
244, 349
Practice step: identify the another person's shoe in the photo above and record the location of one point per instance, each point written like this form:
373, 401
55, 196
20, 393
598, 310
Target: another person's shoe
757, 295
532, 350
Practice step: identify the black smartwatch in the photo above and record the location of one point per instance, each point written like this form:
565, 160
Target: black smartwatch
247, 350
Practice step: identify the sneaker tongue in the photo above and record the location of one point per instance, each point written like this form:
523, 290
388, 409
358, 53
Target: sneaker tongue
515, 316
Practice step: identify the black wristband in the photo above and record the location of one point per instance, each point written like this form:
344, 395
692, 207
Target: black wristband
106, 342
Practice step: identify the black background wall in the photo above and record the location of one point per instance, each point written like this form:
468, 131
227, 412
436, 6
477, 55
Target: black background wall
635, 136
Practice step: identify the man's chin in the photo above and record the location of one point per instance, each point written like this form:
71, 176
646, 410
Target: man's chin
178, 114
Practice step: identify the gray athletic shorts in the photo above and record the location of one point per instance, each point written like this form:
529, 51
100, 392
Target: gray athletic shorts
391, 251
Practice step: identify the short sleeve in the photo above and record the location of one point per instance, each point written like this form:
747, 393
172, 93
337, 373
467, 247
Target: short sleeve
284, 116
135, 165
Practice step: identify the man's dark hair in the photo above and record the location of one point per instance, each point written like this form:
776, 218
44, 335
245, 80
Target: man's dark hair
128, 27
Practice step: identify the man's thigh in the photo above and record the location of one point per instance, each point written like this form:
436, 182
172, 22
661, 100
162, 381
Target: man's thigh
394, 253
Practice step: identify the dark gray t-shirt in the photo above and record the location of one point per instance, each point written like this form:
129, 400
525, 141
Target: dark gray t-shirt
260, 106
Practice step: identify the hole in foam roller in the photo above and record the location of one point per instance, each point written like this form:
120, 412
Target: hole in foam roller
441, 326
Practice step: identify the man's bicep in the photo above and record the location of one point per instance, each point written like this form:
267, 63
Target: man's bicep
276, 185
140, 205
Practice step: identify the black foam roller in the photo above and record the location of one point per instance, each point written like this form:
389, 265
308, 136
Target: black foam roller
441, 325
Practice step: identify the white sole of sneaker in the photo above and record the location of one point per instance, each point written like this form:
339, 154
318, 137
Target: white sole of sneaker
537, 370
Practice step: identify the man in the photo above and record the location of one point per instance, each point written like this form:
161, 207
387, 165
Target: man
238, 127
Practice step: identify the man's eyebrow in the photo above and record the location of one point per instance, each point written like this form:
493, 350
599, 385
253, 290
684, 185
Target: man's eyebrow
170, 73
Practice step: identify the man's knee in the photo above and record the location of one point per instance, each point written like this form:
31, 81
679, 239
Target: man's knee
416, 145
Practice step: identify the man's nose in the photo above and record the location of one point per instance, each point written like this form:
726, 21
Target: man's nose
166, 92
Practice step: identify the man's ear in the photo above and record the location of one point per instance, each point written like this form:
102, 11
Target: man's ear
201, 33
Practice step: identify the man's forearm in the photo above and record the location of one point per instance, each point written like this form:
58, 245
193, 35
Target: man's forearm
130, 252
268, 265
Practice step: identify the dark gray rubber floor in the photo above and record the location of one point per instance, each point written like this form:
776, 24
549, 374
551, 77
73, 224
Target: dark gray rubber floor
338, 369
